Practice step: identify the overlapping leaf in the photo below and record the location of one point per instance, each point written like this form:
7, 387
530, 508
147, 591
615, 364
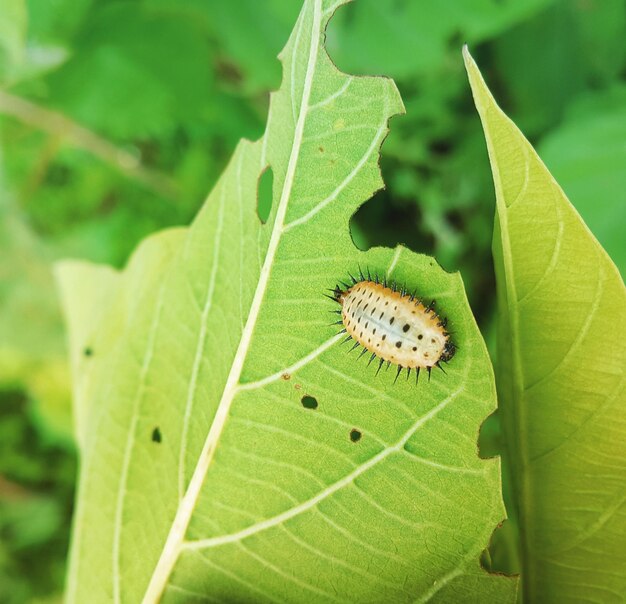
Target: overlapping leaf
561, 383
203, 474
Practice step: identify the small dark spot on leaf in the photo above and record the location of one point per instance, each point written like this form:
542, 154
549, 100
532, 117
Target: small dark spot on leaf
286, 376
156, 435
355, 435
88, 351
309, 402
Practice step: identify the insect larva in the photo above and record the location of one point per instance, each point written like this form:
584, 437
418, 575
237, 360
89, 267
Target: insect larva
393, 326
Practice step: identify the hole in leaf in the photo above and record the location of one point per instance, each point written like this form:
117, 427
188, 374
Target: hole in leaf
355, 435
501, 555
490, 437
264, 193
156, 435
309, 402
383, 221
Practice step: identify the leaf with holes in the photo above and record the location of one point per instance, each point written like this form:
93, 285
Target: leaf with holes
562, 351
231, 449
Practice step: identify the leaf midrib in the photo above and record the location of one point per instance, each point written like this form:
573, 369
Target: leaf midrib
512, 307
175, 538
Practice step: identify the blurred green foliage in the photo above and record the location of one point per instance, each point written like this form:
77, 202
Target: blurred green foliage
117, 116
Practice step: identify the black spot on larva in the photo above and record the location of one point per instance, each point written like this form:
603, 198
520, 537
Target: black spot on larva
355, 435
309, 402
156, 435
414, 348
366, 324
392, 320
365, 307
88, 351
406, 327
374, 332
420, 337
432, 341
386, 303
384, 337
398, 344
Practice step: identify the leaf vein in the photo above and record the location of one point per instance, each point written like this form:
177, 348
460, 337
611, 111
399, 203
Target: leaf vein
327, 492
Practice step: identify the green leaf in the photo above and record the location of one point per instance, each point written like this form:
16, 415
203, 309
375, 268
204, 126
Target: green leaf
562, 353
130, 49
32, 354
12, 37
249, 38
206, 473
586, 154
582, 43
423, 33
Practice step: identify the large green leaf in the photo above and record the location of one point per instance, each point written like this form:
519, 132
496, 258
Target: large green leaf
204, 475
562, 353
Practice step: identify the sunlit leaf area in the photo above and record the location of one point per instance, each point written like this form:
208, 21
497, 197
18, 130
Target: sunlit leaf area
189, 189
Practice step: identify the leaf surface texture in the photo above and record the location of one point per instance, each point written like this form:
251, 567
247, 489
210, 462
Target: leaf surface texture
204, 476
562, 353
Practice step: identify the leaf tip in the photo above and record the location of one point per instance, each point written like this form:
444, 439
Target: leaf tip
471, 68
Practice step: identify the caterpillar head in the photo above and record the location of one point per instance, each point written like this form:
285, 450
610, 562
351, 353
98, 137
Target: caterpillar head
448, 351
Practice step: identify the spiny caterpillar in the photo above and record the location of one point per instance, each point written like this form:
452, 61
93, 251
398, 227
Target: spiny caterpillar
393, 325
